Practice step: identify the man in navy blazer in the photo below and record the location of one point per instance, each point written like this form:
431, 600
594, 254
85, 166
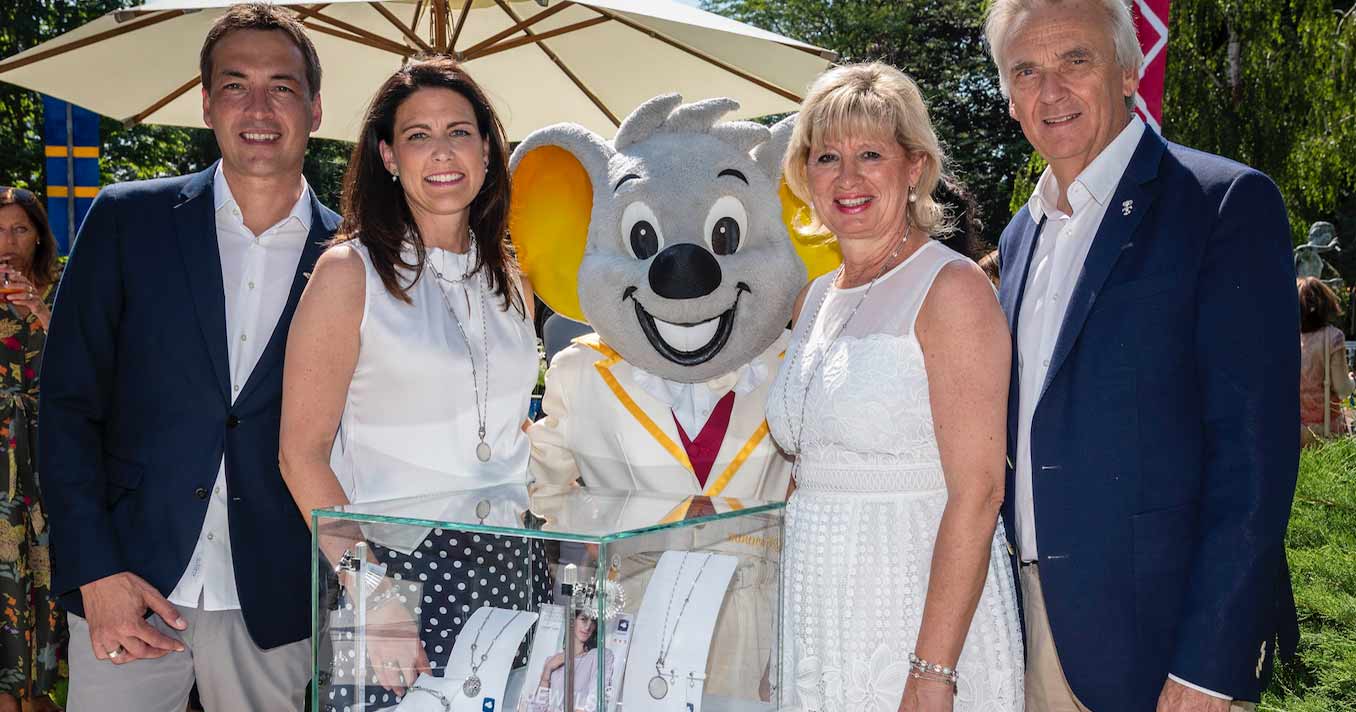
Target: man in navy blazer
160, 405
1152, 452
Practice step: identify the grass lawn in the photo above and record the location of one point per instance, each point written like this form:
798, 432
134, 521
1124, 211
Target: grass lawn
1322, 548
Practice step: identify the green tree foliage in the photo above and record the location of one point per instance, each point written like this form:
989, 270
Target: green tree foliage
940, 44
1271, 83
128, 152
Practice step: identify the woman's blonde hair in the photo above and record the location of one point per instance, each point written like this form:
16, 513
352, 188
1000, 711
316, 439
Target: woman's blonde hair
862, 100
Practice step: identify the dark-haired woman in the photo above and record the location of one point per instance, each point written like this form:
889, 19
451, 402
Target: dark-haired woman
413, 343
32, 632
550, 693
1324, 378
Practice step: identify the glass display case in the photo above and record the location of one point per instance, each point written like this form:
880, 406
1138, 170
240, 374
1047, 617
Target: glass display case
497, 600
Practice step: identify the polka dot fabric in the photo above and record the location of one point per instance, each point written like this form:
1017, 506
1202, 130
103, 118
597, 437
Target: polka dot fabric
446, 578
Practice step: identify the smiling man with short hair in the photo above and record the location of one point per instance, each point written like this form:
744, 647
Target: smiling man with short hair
161, 396
1152, 454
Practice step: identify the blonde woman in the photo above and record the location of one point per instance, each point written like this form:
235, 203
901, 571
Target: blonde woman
893, 398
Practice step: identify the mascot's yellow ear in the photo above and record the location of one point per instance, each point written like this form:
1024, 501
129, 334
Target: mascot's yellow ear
549, 223
818, 250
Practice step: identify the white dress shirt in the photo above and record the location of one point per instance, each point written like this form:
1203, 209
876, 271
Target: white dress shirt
693, 403
257, 274
1061, 249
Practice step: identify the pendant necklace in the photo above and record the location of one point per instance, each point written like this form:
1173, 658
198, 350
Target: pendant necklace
483, 451
471, 687
824, 353
659, 686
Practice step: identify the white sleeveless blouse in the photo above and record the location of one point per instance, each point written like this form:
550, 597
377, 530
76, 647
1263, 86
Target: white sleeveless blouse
410, 424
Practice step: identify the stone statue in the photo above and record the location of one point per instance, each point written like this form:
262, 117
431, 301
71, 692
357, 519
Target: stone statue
1309, 261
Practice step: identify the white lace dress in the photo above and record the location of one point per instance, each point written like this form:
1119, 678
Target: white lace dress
863, 521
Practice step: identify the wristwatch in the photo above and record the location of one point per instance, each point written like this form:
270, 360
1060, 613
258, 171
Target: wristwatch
373, 574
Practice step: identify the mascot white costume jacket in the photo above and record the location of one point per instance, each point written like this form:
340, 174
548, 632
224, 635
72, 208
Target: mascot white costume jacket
672, 242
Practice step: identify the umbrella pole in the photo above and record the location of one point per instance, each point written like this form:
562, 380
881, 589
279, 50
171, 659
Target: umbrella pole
440, 25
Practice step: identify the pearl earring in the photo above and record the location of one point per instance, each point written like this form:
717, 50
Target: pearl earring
913, 194
395, 176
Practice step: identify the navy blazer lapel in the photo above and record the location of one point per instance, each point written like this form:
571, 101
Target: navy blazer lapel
1013, 285
1011, 289
323, 225
1133, 198
195, 222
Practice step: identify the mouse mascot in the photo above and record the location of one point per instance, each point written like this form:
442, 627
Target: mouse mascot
672, 243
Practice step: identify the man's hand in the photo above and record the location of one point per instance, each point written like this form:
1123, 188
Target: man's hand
115, 607
1177, 697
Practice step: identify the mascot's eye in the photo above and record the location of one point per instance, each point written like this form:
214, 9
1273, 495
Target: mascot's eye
640, 231
644, 240
726, 223
725, 236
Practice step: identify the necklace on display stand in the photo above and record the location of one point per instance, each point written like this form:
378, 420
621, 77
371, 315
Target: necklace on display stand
824, 353
659, 684
483, 450
471, 687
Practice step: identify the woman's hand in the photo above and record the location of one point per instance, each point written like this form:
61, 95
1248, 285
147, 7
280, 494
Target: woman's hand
553, 663
927, 696
395, 653
27, 295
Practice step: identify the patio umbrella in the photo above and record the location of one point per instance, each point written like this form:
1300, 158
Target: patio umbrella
541, 61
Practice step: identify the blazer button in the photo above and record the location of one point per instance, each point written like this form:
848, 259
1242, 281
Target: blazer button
200, 493
232, 421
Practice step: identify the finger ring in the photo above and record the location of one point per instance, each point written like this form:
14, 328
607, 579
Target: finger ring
114, 653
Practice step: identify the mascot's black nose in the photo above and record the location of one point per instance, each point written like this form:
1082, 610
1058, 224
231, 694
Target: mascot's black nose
684, 271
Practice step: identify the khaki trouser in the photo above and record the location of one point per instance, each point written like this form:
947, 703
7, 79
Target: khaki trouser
1046, 688
232, 673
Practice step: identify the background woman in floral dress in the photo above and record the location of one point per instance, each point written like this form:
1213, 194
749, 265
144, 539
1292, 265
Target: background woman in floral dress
32, 633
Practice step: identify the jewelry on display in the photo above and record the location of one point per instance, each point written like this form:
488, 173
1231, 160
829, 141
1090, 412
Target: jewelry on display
824, 353
483, 451
447, 704
613, 595
659, 686
483, 508
471, 687
372, 577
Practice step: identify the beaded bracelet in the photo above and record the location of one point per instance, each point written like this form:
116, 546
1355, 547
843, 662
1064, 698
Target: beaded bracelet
923, 670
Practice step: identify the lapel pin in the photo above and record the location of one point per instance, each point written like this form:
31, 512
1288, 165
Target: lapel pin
1127, 207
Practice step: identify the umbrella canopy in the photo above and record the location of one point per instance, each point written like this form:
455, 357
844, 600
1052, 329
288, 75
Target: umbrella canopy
541, 61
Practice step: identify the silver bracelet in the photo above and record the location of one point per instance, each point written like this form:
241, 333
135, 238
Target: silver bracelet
447, 704
922, 667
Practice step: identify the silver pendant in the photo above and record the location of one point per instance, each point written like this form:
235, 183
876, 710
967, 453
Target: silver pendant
471, 687
483, 451
659, 687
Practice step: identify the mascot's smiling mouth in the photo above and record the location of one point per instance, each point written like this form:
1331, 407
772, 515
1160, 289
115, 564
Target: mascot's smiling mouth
688, 344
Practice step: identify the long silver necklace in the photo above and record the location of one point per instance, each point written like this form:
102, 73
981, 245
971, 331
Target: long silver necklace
824, 353
483, 450
471, 687
659, 686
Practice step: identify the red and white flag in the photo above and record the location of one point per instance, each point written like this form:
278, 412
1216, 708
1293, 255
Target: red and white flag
1151, 20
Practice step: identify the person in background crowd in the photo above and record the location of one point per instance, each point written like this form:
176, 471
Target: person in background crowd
160, 410
33, 637
1324, 378
992, 270
1152, 459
